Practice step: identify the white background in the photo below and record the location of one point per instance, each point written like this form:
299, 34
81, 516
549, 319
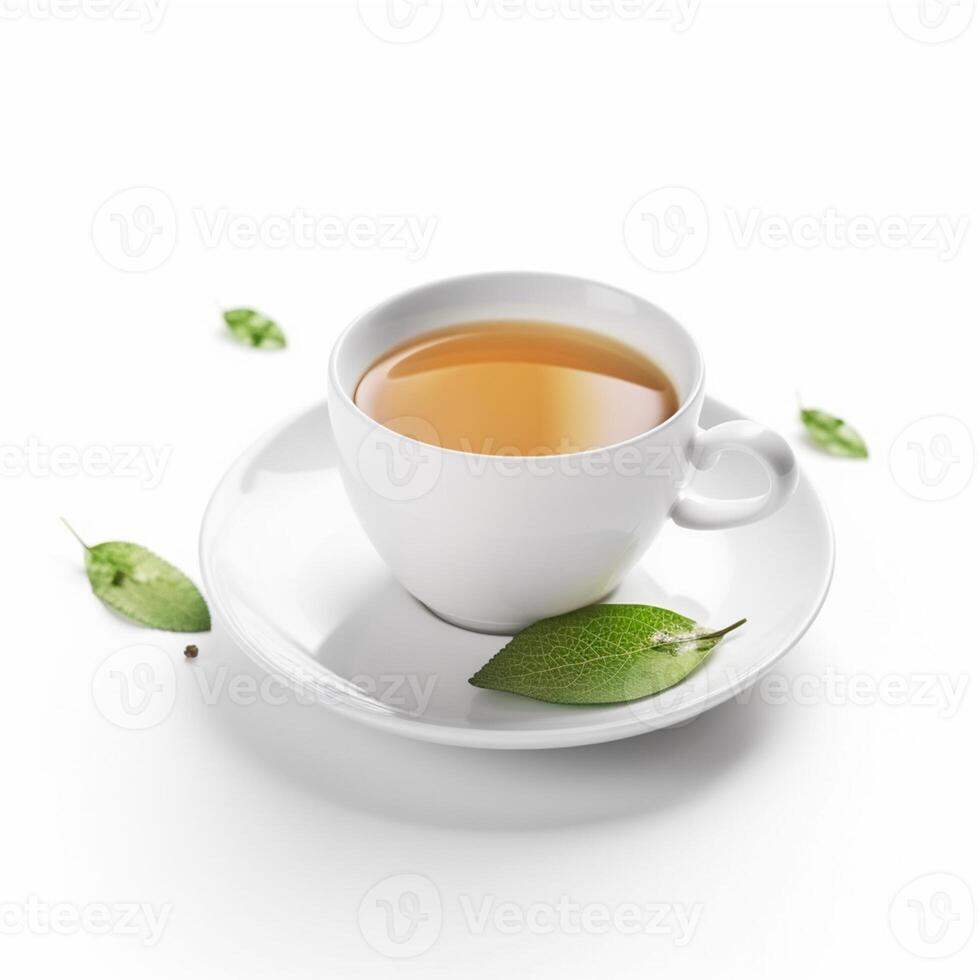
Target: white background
791, 827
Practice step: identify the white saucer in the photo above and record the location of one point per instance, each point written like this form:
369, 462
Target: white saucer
292, 577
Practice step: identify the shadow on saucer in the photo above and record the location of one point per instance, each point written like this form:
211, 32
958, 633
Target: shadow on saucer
305, 445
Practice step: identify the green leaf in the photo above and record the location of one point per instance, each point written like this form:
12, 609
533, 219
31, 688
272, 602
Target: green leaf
253, 328
143, 587
833, 434
600, 655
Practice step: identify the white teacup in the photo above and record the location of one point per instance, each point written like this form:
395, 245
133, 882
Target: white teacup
493, 543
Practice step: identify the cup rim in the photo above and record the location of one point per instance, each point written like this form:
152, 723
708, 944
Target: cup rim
693, 397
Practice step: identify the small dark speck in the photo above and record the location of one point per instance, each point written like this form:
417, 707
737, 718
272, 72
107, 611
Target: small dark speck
190, 650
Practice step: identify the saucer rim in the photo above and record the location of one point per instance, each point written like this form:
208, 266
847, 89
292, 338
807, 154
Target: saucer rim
494, 738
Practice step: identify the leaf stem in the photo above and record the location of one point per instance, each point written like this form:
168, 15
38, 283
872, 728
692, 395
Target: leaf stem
673, 641
716, 635
75, 534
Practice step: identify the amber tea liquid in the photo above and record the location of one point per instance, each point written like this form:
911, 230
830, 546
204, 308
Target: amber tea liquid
516, 387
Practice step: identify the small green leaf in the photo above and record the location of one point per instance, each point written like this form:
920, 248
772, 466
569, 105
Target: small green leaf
253, 328
833, 434
143, 587
600, 655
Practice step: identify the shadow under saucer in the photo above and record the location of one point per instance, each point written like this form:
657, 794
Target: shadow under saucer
343, 763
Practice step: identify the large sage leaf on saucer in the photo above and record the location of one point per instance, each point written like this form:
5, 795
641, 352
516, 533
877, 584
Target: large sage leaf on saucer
142, 586
600, 655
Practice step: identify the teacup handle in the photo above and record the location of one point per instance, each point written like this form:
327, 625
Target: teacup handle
771, 450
